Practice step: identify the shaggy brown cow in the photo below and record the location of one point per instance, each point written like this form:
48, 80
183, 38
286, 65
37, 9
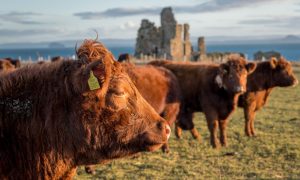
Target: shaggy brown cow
6, 65
212, 89
160, 89
56, 116
260, 83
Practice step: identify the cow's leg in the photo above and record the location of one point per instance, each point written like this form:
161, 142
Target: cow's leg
212, 123
190, 126
249, 111
70, 174
196, 134
170, 114
223, 133
178, 130
252, 124
90, 169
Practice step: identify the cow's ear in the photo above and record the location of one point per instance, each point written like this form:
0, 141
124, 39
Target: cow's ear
224, 68
97, 74
250, 67
273, 62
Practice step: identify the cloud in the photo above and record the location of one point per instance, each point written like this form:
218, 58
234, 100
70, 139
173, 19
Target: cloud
118, 12
28, 32
210, 6
20, 17
283, 21
259, 21
129, 25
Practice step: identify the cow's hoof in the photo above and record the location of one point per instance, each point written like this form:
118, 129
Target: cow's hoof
216, 145
224, 145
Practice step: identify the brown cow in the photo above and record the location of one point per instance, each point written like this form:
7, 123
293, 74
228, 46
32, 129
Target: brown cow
15, 62
260, 83
6, 65
159, 87
211, 89
57, 116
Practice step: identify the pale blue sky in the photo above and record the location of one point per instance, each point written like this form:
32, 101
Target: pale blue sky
41, 20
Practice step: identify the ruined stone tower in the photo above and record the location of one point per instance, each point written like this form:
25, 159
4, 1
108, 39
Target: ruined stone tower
148, 40
170, 41
201, 48
187, 45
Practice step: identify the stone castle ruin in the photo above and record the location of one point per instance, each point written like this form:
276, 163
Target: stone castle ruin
170, 41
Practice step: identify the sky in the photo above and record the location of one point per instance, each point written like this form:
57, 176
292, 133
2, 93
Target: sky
41, 20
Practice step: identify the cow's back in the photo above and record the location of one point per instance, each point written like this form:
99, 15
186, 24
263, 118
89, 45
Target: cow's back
194, 80
156, 84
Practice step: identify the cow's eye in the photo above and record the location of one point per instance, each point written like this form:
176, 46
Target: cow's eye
118, 93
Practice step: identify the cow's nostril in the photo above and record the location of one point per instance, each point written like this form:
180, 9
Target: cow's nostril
160, 125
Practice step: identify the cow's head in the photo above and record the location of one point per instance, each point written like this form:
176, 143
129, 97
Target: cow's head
119, 121
282, 73
232, 75
5, 65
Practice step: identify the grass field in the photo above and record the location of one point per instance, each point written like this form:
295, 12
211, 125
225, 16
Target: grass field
273, 154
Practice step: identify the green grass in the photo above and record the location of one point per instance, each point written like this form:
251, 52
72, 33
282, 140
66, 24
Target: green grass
273, 154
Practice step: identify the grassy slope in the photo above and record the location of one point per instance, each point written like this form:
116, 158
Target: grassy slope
274, 153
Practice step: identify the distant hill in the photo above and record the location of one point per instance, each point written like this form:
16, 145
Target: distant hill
56, 45
250, 40
67, 44
291, 38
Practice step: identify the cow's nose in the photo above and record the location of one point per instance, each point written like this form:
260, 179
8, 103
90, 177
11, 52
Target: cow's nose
240, 89
165, 128
296, 82
168, 131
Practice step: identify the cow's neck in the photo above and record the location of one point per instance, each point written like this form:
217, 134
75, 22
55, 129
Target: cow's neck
261, 78
222, 93
35, 162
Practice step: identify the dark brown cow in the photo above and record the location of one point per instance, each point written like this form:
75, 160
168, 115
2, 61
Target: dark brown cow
260, 83
212, 89
56, 116
124, 58
6, 65
57, 58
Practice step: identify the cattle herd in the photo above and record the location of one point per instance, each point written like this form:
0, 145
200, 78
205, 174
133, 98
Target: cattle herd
55, 116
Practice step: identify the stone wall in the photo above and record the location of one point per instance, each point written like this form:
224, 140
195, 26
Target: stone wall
262, 56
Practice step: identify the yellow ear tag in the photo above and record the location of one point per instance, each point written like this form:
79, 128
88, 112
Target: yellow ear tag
93, 82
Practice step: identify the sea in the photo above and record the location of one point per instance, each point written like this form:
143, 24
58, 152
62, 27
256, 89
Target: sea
289, 51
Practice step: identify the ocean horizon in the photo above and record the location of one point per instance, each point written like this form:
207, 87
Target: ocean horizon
289, 51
